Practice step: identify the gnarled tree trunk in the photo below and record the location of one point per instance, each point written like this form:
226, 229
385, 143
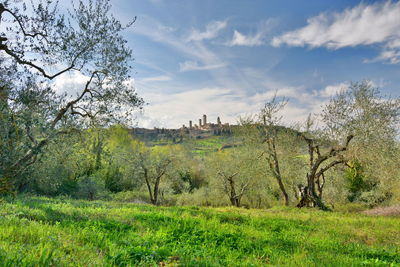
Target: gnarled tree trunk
315, 176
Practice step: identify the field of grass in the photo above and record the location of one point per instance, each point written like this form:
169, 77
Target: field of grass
210, 144
200, 146
37, 231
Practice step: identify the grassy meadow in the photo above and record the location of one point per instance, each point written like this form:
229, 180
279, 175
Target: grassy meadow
38, 231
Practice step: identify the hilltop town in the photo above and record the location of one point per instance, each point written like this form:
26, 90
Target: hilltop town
201, 130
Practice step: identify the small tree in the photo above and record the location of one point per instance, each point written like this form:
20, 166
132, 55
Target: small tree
270, 121
263, 134
152, 165
232, 171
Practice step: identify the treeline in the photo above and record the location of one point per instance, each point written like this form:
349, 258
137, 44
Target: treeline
353, 157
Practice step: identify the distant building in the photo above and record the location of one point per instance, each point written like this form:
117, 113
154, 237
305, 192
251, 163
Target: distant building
207, 128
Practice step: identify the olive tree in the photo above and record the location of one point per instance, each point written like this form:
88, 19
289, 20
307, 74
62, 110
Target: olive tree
40, 44
233, 173
152, 166
265, 134
358, 125
373, 119
321, 158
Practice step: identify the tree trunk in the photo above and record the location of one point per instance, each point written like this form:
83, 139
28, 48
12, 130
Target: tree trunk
235, 200
156, 190
274, 165
146, 178
308, 197
283, 190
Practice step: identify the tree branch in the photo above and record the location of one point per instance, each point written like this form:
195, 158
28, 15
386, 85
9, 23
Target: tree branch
62, 111
330, 165
3, 9
40, 69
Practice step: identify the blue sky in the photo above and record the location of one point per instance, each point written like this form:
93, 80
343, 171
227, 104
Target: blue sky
227, 57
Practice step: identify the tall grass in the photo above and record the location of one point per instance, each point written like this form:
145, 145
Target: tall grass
37, 231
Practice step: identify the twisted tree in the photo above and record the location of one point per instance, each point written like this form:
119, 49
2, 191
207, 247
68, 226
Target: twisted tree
41, 46
319, 163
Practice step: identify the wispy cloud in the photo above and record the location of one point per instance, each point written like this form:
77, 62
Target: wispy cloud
252, 39
391, 56
240, 39
212, 31
197, 51
194, 65
361, 25
332, 90
161, 78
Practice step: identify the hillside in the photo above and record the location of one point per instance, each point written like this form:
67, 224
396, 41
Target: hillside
63, 232
200, 141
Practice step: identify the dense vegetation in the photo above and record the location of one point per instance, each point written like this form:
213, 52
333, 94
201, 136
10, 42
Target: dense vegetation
54, 143
262, 164
58, 144
78, 149
61, 232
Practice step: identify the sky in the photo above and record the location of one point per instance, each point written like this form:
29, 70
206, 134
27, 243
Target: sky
226, 58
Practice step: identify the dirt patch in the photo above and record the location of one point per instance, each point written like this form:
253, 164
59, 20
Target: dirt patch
393, 211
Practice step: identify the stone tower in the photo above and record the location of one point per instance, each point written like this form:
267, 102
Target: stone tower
190, 125
200, 123
219, 121
204, 119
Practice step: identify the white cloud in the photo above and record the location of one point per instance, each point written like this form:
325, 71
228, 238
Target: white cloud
228, 104
240, 39
287, 92
196, 51
194, 65
332, 90
361, 25
161, 78
255, 39
212, 31
70, 82
391, 56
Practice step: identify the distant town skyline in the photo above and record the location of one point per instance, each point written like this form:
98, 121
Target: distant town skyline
226, 58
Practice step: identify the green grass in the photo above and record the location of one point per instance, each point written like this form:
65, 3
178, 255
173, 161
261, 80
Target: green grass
209, 144
36, 231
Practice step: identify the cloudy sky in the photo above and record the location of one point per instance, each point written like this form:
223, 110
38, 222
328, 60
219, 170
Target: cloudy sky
225, 58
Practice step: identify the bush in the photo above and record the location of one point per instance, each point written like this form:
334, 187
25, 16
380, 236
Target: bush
89, 188
202, 197
374, 197
132, 196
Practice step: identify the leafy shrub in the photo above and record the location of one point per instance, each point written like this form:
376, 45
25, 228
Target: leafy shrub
374, 197
202, 197
88, 188
132, 196
357, 182
113, 179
